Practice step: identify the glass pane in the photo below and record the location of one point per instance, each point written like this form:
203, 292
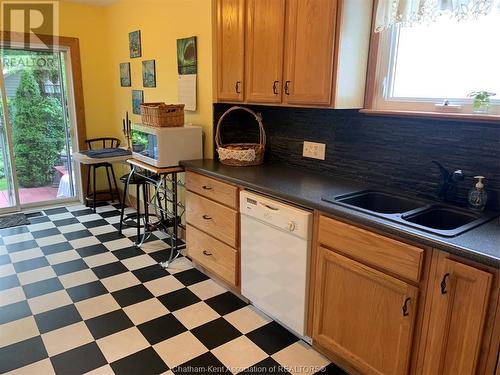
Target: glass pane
7, 194
40, 131
145, 144
448, 59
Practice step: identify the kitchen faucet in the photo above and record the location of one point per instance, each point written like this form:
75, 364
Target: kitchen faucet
449, 179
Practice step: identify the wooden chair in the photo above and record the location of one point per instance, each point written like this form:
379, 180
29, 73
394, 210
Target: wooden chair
94, 144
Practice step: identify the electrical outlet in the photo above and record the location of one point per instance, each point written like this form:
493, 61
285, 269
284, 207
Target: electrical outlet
314, 150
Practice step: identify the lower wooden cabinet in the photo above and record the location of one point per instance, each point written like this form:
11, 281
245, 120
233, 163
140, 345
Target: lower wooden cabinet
212, 254
362, 315
212, 217
212, 230
459, 304
435, 313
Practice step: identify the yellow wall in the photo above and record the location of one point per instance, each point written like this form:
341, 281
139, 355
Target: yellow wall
89, 24
161, 22
103, 35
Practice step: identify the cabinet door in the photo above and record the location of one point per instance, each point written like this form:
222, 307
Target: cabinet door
309, 51
363, 315
459, 304
230, 49
264, 54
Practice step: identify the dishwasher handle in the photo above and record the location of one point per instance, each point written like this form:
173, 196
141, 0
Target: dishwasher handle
269, 207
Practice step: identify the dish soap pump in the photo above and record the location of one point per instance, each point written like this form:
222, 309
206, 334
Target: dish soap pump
477, 195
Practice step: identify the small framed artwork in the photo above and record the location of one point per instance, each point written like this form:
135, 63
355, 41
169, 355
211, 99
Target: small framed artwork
137, 100
125, 80
186, 56
149, 73
134, 44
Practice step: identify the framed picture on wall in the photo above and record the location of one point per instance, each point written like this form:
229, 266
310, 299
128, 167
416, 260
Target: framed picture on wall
137, 100
134, 44
187, 62
149, 73
125, 80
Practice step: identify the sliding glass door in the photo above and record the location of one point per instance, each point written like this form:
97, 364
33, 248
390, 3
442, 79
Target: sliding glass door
37, 128
9, 200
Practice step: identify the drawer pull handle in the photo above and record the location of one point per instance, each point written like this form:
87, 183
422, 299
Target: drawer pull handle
405, 306
443, 283
206, 217
207, 253
205, 187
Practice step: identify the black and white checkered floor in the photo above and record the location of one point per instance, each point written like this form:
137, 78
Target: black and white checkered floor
75, 297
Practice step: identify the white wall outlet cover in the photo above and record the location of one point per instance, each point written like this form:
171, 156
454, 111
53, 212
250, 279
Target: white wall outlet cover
314, 150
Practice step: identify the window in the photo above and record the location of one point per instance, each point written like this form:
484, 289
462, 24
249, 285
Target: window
420, 66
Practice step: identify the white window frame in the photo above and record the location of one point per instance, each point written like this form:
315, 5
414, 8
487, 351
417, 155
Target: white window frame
382, 80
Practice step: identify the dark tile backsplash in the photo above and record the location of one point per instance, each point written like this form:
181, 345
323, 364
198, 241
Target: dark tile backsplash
387, 151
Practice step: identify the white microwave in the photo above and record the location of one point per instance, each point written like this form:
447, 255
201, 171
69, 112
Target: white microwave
165, 147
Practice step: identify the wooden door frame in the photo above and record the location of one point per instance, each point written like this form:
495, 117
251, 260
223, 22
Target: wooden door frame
73, 46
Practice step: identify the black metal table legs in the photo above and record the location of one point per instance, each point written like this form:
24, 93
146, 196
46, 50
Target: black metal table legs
164, 206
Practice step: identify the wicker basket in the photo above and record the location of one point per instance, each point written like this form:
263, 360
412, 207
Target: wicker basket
241, 154
162, 115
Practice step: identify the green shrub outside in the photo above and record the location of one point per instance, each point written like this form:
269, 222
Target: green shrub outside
37, 132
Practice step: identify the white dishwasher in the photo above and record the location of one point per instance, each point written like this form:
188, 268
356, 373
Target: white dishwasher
275, 249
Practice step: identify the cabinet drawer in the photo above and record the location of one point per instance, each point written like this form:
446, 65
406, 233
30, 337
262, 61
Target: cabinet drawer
373, 249
212, 218
213, 189
216, 256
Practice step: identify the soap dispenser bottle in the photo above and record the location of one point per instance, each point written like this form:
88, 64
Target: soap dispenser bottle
477, 195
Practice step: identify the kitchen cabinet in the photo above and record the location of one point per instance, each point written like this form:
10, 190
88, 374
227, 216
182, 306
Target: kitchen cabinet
264, 54
361, 282
230, 49
460, 301
296, 52
363, 315
212, 230
212, 217
213, 254
309, 52
213, 189
396, 257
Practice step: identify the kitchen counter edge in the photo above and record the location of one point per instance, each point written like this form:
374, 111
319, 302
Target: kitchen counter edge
468, 245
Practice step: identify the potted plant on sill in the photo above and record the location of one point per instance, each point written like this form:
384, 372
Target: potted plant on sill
480, 101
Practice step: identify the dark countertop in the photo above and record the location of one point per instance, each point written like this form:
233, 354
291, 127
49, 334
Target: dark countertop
306, 189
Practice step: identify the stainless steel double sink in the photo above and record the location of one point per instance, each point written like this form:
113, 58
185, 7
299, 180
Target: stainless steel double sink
437, 218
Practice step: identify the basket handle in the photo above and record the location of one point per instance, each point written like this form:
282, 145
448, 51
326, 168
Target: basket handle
258, 118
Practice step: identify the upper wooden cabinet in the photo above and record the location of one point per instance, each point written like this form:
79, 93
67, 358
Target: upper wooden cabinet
309, 47
264, 54
460, 297
297, 52
230, 49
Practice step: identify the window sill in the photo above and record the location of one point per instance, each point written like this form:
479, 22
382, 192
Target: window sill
437, 115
